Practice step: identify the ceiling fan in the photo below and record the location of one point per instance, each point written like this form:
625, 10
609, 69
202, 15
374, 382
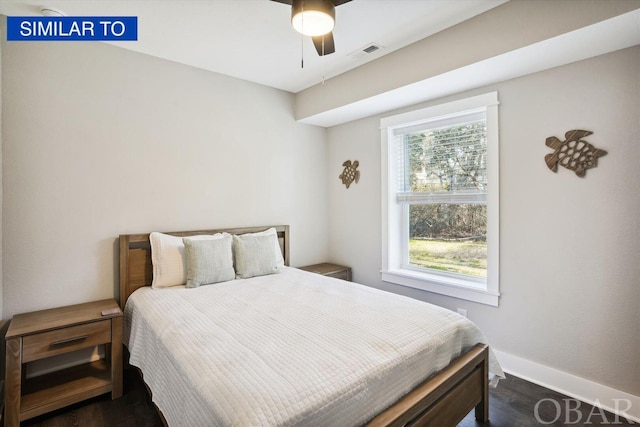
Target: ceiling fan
315, 18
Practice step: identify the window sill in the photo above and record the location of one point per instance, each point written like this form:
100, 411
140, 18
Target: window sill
441, 285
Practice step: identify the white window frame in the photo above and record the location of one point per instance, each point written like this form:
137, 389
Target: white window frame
395, 267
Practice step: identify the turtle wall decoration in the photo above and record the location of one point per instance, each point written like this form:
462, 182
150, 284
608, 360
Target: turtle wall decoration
350, 173
573, 153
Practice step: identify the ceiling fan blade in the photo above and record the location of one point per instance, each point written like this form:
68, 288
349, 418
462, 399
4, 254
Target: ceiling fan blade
329, 45
287, 1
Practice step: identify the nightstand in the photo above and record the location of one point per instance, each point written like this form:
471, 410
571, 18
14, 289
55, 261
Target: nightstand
42, 334
331, 270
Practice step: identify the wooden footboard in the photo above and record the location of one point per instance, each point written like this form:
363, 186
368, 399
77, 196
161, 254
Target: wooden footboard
442, 401
445, 399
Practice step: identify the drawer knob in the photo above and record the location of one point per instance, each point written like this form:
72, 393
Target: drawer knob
68, 341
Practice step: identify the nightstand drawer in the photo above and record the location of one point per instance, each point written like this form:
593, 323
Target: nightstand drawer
64, 340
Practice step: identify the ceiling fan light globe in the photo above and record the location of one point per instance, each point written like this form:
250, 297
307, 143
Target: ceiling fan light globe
313, 17
313, 23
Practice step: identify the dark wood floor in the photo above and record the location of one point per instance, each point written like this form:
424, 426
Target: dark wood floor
512, 404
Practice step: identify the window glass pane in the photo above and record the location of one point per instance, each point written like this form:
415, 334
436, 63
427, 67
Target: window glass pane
449, 237
445, 159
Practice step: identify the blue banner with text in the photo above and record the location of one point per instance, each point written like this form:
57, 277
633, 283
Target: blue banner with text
72, 28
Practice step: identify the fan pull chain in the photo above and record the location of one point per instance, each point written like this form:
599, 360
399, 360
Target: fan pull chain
323, 55
302, 39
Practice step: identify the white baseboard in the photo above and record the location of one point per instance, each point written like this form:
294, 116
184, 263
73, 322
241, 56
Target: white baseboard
602, 396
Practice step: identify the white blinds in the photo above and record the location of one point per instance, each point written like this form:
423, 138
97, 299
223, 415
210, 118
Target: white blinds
443, 160
443, 122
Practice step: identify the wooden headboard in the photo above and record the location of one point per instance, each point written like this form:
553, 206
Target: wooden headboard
135, 255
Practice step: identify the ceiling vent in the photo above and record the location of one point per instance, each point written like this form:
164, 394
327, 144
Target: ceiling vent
369, 49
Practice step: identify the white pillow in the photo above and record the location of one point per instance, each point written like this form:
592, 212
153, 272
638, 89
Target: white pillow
167, 257
277, 251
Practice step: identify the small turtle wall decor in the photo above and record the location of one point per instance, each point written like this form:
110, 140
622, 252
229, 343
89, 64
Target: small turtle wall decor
573, 153
350, 174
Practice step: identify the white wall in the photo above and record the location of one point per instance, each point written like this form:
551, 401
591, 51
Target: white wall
569, 246
100, 141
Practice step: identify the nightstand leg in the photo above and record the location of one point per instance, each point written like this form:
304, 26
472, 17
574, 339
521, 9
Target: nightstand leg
13, 382
116, 357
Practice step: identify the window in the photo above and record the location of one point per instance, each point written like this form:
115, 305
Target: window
440, 199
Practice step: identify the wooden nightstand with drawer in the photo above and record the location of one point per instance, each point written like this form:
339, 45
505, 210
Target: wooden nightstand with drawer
43, 334
331, 270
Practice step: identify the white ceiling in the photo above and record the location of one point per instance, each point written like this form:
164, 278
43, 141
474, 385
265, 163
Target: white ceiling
253, 39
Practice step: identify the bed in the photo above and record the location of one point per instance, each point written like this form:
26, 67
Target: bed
341, 371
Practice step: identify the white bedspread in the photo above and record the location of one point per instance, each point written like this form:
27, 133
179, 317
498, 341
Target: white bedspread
294, 348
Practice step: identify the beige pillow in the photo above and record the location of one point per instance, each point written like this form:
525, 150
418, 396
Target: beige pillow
208, 261
167, 258
254, 255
